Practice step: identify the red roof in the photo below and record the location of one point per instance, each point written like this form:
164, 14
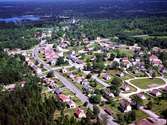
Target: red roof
78, 111
125, 60
153, 57
63, 97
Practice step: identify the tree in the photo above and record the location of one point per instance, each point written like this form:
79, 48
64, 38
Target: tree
164, 113
60, 61
137, 100
98, 65
153, 74
50, 74
117, 82
95, 99
120, 119
114, 65
149, 105
115, 86
89, 114
96, 110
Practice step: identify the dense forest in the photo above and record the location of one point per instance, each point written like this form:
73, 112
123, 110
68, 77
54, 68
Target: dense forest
17, 38
12, 69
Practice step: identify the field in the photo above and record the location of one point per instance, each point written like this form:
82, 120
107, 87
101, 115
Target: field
147, 83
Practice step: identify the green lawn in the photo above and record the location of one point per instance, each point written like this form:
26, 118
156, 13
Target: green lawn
159, 107
127, 76
140, 115
127, 52
73, 97
147, 83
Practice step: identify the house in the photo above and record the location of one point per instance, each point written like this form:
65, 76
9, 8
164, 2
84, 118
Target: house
64, 70
72, 76
79, 79
11, 87
117, 60
120, 74
154, 60
38, 71
126, 87
87, 88
57, 91
79, 113
126, 62
71, 104
50, 55
85, 82
155, 92
106, 76
111, 95
137, 61
141, 95
63, 98
125, 106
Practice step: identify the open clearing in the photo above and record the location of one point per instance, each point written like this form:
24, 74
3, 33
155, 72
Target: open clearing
147, 83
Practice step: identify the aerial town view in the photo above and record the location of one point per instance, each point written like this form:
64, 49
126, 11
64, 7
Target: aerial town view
77, 62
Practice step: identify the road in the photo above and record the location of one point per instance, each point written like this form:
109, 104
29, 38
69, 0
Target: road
150, 113
100, 81
72, 87
61, 67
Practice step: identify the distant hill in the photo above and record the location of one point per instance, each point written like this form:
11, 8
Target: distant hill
84, 8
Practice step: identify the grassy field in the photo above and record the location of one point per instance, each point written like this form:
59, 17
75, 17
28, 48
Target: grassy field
127, 52
147, 83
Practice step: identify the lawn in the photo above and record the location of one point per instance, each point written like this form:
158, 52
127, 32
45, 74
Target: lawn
159, 107
140, 115
127, 52
147, 83
73, 97
127, 76
115, 110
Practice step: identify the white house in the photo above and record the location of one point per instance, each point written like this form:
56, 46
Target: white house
71, 104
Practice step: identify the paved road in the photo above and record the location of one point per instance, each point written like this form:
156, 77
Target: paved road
150, 113
72, 87
58, 68
100, 81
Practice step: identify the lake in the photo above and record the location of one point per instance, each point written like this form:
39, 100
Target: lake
20, 19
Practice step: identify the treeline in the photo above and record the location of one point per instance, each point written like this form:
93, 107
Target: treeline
17, 38
134, 26
12, 69
123, 31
